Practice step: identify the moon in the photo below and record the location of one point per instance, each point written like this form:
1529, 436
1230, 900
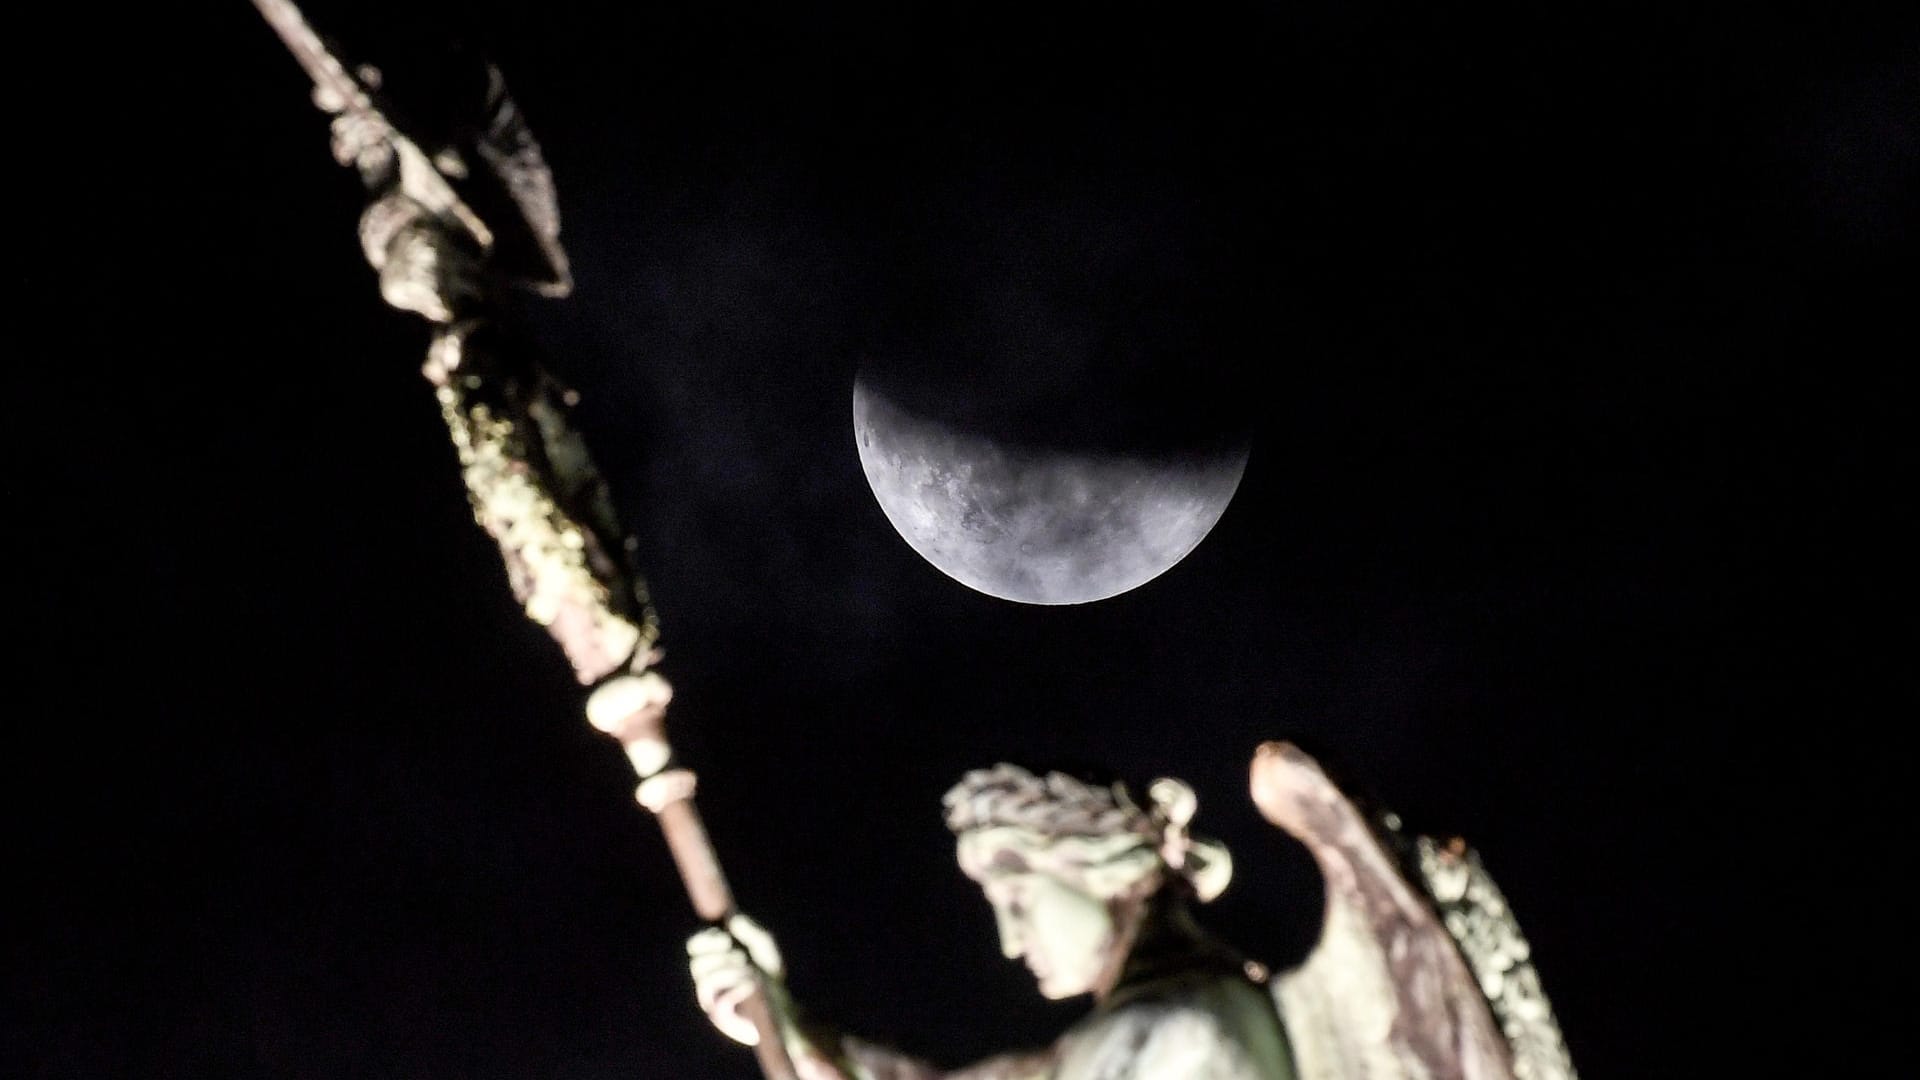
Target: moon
1035, 524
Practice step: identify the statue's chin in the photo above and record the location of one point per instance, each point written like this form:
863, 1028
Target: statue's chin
1054, 990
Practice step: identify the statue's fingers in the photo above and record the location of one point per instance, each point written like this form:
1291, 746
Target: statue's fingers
710, 992
727, 1016
733, 964
356, 135
759, 945
711, 940
714, 978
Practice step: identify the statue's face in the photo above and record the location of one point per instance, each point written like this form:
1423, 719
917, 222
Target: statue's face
1065, 936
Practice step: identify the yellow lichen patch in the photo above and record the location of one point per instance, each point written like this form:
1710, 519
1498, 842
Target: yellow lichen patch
546, 550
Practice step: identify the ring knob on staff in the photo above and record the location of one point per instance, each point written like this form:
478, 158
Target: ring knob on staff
633, 709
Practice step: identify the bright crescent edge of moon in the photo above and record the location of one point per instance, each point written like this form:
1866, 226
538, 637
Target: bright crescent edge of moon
1036, 527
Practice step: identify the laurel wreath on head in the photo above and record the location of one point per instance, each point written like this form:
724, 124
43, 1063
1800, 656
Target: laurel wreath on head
1094, 836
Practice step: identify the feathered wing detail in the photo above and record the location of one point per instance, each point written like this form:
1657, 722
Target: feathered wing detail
1475, 913
512, 155
1393, 990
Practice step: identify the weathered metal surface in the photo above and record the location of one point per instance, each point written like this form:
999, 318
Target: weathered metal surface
1407, 978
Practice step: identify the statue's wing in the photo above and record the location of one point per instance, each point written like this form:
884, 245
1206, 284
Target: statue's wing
1421, 972
498, 168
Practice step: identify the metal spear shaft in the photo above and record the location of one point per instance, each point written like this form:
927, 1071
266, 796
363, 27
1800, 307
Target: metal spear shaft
633, 709
337, 90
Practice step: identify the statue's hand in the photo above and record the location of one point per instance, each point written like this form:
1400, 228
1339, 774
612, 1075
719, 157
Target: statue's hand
365, 141
730, 964
425, 266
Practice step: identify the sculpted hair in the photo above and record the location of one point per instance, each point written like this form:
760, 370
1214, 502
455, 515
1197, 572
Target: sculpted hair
1054, 805
1094, 836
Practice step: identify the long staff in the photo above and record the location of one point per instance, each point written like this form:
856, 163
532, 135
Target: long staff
529, 478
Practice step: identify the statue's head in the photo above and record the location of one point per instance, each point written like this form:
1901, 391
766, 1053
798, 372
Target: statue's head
1069, 866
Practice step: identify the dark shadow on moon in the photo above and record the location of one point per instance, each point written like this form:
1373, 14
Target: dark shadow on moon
1040, 525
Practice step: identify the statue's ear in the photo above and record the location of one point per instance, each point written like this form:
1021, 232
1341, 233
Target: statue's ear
1209, 869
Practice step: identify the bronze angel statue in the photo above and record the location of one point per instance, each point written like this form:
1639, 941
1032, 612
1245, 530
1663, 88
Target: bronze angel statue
1420, 971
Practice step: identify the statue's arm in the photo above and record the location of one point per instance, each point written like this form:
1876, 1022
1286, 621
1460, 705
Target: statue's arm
730, 963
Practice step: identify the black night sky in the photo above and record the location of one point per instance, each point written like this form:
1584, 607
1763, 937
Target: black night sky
1577, 347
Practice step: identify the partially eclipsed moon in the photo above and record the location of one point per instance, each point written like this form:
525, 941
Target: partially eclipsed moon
1037, 526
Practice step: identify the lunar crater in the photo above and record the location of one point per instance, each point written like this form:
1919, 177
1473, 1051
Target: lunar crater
1038, 525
